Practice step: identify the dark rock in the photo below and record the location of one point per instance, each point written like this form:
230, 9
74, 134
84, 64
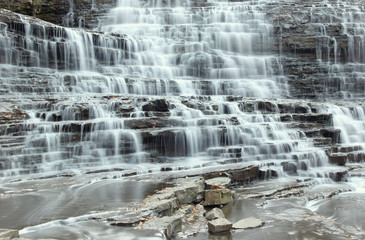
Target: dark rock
338, 159
129, 221
159, 105
267, 173
289, 167
356, 157
339, 176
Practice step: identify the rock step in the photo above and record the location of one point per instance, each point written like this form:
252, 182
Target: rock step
345, 149
336, 173
343, 158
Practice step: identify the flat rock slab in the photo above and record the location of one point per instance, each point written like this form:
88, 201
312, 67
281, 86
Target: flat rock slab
214, 214
8, 233
220, 182
219, 225
247, 223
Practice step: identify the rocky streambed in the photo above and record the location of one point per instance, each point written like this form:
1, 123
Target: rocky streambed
210, 205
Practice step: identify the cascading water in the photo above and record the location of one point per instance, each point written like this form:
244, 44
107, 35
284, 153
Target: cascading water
175, 85
205, 52
343, 55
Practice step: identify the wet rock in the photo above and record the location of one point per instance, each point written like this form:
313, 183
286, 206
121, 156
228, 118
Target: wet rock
168, 225
164, 207
356, 157
129, 221
159, 105
218, 197
219, 225
248, 223
338, 159
339, 175
221, 182
193, 220
190, 191
289, 167
267, 173
8, 233
214, 214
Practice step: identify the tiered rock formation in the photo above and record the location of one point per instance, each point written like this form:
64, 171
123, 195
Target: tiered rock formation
79, 99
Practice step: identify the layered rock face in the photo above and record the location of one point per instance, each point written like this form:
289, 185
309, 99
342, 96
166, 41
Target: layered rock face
69, 13
322, 44
175, 85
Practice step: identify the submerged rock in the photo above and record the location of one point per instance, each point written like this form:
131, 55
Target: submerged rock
247, 223
219, 225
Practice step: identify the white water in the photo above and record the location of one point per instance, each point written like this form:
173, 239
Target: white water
346, 78
195, 57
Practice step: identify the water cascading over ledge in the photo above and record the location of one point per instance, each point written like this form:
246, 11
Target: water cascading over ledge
171, 85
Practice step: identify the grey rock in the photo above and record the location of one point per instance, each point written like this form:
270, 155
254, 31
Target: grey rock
8, 233
168, 225
220, 182
219, 225
247, 223
164, 207
214, 214
218, 197
189, 192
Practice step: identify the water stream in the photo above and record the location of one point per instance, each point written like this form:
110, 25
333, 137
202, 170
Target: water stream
173, 84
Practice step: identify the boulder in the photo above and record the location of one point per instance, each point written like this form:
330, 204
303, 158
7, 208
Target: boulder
8, 233
219, 225
168, 225
189, 191
247, 223
218, 197
214, 214
218, 183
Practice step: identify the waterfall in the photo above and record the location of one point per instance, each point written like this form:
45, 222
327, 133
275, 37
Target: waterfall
182, 84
